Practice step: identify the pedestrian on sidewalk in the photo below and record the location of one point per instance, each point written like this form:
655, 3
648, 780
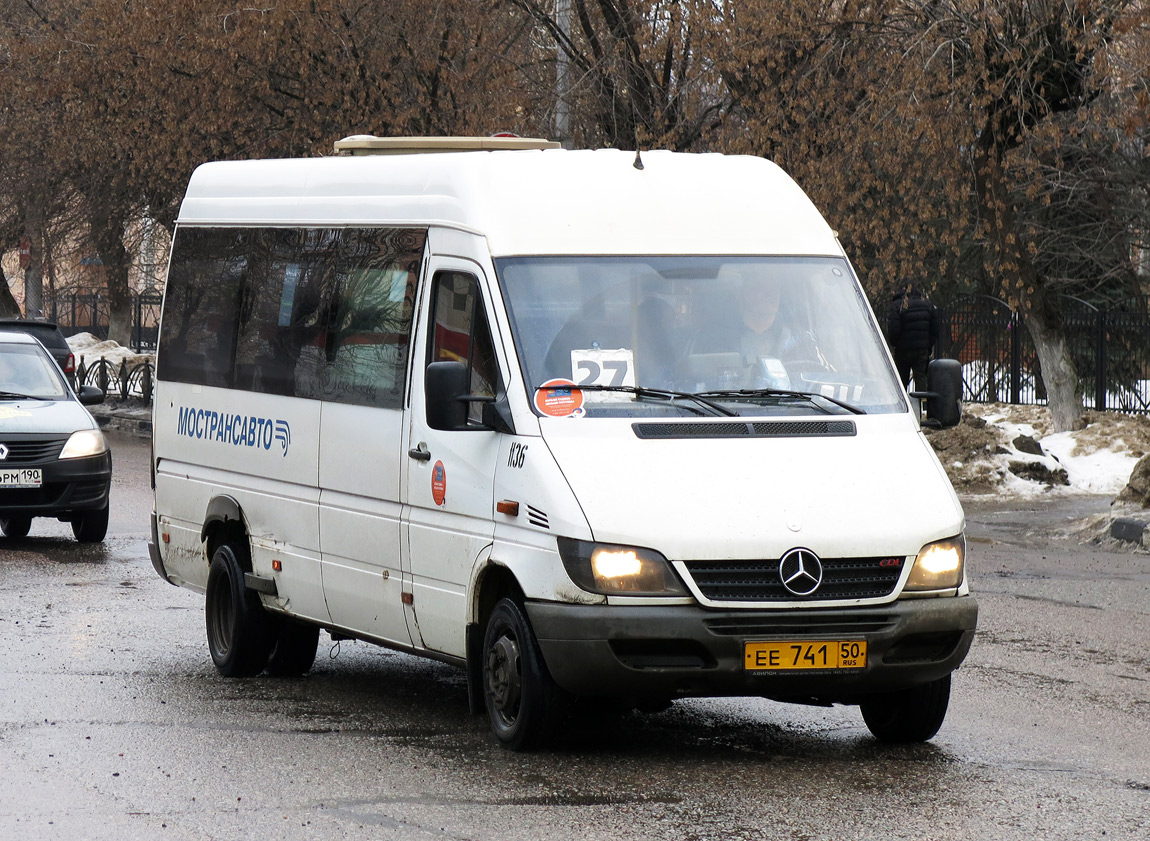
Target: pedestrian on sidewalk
912, 329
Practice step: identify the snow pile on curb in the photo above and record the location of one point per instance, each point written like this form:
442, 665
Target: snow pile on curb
93, 349
1005, 449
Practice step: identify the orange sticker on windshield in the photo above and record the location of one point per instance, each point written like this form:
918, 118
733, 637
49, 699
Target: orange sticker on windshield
559, 399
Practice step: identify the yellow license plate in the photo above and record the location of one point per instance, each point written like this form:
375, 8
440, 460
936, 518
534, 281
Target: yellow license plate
820, 654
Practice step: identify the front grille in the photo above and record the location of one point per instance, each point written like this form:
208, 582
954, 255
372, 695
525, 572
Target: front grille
758, 581
32, 451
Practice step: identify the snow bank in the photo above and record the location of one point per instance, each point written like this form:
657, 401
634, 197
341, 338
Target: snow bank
93, 349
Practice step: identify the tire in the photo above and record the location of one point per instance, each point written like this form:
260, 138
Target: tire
240, 631
908, 715
90, 526
293, 649
522, 701
16, 527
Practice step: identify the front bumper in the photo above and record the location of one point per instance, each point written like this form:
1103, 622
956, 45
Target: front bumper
78, 484
685, 650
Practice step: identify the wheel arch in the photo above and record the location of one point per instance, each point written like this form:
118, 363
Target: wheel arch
494, 582
224, 520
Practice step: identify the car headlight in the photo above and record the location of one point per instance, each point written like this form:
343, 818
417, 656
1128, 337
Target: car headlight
85, 443
939, 565
610, 569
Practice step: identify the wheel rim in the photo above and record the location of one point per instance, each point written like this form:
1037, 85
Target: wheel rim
504, 678
223, 618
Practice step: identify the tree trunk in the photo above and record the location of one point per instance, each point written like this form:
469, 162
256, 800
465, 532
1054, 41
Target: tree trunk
1021, 281
8, 306
108, 236
1058, 374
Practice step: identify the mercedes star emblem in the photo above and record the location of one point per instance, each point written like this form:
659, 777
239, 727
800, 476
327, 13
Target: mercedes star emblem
801, 571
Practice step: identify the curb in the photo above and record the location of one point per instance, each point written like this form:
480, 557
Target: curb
132, 421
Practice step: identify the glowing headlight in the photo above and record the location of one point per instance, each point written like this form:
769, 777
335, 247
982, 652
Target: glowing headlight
85, 443
939, 565
621, 570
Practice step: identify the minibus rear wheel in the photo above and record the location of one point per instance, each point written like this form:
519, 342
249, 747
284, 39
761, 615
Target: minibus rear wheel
293, 651
521, 698
908, 715
240, 632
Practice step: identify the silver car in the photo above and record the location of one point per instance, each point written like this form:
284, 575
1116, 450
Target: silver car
54, 460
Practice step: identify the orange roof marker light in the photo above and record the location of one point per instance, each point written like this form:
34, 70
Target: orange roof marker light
369, 144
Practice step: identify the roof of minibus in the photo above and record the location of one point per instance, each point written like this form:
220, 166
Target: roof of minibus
529, 202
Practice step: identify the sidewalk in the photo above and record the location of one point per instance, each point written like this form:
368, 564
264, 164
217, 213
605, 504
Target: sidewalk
132, 416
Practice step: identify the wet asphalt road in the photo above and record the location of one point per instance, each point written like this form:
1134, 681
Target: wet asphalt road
114, 724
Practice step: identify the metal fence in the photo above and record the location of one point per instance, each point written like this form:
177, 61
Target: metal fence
121, 380
1110, 349
87, 312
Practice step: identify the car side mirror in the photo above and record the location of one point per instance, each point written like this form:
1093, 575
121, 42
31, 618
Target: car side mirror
944, 393
448, 398
445, 384
90, 395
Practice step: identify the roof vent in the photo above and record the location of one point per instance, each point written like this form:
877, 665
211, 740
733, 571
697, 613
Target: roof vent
369, 144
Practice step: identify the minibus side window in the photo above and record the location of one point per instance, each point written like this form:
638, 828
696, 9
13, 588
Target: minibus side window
319, 313
280, 314
372, 303
461, 334
207, 271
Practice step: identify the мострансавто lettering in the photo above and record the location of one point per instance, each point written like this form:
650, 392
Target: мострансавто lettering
228, 428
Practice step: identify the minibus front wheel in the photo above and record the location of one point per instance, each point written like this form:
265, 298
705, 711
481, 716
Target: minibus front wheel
522, 700
240, 633
908, 715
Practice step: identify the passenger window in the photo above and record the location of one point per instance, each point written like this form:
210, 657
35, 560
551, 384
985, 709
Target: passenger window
321, 313
203, 290
461, 334
372, 303
280, 314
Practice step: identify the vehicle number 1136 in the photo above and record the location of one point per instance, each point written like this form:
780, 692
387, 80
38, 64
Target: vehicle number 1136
820, 654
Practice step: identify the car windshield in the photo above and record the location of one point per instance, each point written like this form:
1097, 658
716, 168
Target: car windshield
27, 371
639, 336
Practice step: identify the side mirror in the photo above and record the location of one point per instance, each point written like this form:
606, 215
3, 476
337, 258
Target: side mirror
944, 393
446, 385
90, 395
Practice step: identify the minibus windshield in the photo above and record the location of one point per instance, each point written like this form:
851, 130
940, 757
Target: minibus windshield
751, 336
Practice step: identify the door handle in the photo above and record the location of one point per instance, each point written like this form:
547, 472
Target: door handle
420, 453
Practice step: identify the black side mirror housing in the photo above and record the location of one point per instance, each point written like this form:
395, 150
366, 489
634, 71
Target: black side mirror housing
446, 385
944, 393
90, 395
448, 400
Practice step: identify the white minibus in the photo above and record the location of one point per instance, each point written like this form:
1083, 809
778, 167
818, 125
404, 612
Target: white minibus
589, 425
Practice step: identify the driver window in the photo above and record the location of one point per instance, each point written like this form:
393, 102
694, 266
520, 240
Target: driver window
460, 333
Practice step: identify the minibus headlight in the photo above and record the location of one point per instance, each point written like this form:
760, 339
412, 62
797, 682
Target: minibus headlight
939, 565
610, 569
85, 443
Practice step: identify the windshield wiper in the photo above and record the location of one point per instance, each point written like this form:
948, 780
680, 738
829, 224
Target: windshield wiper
662, 394
13, 395
779, 392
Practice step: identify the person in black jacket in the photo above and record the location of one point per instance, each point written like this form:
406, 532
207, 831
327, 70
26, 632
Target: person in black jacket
912, 328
